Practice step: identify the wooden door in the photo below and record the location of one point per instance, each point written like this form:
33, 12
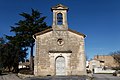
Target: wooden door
60, 66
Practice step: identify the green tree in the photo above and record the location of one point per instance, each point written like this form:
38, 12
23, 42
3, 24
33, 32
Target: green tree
10, 55
2, 41
26, 28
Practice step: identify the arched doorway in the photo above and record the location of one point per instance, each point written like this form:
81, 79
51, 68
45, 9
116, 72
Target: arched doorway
60, 65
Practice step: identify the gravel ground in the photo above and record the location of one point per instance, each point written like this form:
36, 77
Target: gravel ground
12, 76
15, 77
9, 77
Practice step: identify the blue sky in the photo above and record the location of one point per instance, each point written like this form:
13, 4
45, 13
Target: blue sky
98, 19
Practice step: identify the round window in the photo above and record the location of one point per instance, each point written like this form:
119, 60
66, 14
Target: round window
60, 41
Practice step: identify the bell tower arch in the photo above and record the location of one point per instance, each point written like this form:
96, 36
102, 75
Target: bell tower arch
59, 17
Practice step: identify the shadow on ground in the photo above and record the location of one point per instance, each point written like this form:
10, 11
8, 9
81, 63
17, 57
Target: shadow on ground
3, 74
59, 78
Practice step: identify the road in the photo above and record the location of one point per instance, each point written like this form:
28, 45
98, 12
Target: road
105, 77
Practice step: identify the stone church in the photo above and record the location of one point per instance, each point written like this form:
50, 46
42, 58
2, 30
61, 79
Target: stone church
59, 50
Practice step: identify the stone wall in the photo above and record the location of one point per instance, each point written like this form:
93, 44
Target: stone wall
48, 49
108, 60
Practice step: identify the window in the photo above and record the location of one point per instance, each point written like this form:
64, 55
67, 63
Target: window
60, 41
59, 19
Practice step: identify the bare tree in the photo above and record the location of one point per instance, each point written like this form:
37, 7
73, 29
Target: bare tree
116, 56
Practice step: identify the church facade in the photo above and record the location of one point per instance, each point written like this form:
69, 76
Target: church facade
59, 50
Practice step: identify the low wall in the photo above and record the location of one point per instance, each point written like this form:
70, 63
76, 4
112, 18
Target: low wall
22, 76
100, 70
118, 75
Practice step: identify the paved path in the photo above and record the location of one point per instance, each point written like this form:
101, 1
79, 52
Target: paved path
105, 77
9, 77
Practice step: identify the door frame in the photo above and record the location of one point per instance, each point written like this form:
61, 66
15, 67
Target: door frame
54, 55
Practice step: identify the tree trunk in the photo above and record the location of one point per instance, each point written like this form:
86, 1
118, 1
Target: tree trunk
9, 68
31, 59
15, 68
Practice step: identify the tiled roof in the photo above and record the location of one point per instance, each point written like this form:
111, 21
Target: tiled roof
50, 29
25, 63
